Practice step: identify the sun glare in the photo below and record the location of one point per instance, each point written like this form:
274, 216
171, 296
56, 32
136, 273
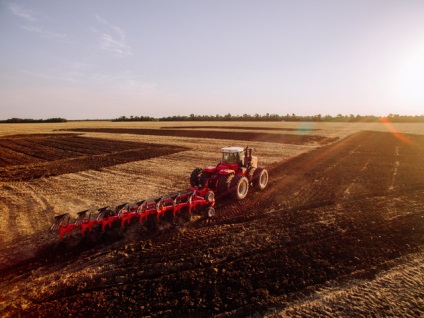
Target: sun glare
409, 81
402, 137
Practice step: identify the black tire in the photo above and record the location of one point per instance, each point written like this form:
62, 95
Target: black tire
260, 179
239, 187
203, 179
195, 177
224, 181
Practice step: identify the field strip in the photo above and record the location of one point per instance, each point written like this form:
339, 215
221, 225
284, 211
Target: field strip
222, 135
397, 292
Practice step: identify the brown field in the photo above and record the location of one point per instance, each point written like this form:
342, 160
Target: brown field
339, 231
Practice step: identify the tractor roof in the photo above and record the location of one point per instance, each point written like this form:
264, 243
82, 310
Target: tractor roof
232, 149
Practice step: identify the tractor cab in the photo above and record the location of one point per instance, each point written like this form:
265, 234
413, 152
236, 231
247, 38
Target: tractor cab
242, 157
232, 155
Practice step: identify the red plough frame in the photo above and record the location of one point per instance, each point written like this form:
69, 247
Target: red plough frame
146, 211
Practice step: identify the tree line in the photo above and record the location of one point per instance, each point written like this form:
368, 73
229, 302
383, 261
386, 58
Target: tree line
28, 120
394, 118
274, 117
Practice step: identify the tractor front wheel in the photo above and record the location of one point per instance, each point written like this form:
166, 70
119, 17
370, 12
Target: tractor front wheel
239, 187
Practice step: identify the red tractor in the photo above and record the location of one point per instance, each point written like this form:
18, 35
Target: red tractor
237, 170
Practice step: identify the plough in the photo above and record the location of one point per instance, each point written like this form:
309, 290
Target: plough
147, 212
234, 174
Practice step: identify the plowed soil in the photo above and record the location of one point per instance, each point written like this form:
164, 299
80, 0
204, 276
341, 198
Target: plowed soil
339, 231
225, 135
26, 157
298, 129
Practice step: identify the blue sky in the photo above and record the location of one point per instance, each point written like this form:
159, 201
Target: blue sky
104, 59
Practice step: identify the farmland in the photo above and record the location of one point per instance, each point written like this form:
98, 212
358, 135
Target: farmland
339, 231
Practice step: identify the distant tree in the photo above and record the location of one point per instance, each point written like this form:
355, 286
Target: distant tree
134, 118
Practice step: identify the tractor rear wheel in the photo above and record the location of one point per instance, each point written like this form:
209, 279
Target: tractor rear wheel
224, 183
239, 187
260, 178
195, 177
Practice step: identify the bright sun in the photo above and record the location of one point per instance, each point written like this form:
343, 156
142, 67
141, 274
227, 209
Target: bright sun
409, 81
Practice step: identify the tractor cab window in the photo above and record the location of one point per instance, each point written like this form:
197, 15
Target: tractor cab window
231, 157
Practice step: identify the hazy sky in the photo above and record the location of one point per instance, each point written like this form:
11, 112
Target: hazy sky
103, 59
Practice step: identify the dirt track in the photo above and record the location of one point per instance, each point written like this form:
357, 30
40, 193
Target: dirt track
342, 213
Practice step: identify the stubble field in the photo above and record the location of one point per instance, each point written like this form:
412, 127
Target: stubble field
339, 230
